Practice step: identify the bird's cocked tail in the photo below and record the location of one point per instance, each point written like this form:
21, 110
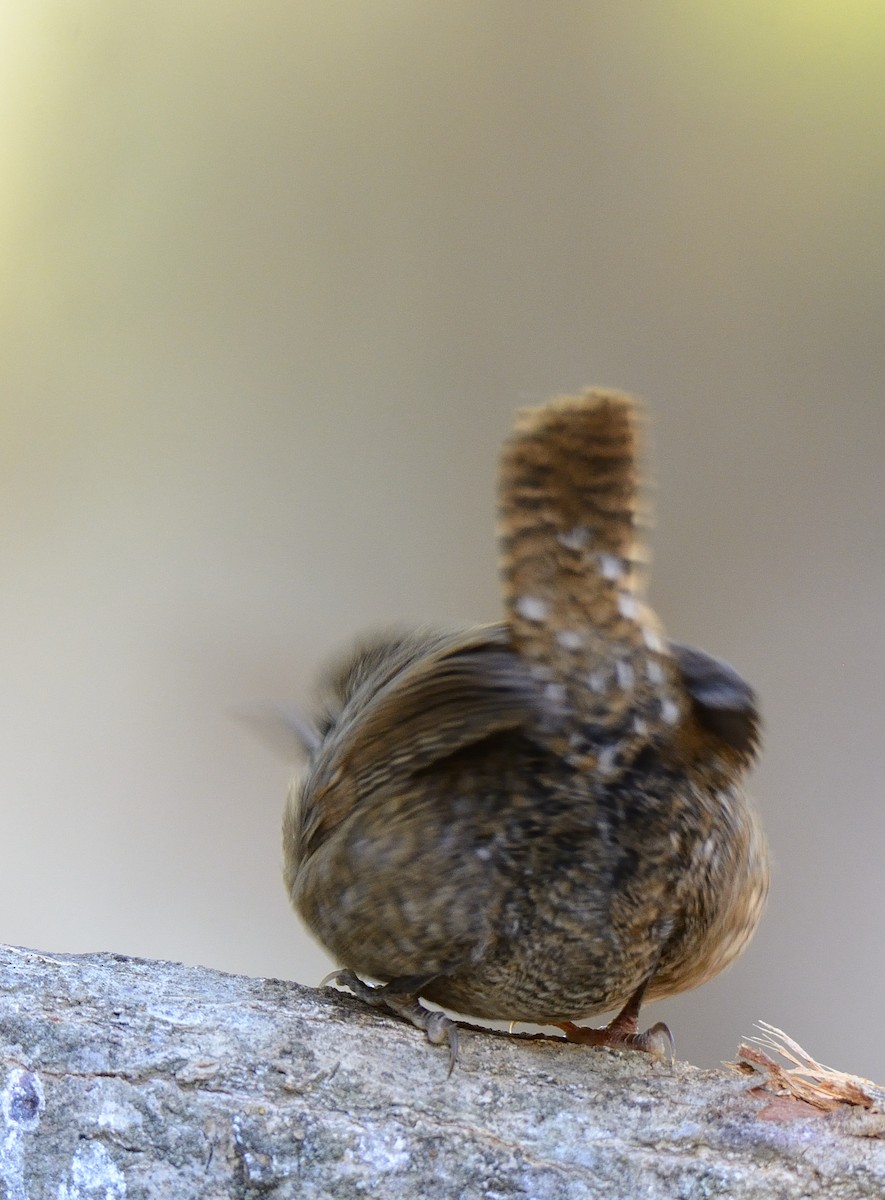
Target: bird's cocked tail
572, 561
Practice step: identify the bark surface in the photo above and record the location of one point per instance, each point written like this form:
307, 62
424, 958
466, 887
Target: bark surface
130, 1078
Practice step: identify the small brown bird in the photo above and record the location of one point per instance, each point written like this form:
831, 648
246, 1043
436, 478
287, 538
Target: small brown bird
541, 820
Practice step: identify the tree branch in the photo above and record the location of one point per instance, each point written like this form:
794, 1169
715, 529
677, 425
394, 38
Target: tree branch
129, 1078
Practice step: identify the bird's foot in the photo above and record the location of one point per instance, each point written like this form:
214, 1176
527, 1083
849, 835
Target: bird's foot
622, 1032
656, 1041
400, 996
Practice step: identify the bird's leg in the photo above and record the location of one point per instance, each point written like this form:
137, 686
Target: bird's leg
400, 996
622, 1032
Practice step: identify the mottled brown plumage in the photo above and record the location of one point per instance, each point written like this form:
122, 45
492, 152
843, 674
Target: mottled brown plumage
541, 820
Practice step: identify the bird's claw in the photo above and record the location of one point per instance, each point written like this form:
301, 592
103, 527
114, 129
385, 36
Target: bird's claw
658, 1042
441, 1029
437, 1027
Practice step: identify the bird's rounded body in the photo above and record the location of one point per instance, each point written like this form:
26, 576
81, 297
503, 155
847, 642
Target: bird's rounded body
535, 819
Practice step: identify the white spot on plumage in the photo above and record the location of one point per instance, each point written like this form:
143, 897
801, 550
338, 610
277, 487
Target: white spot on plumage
532, 608
611, 566
653, 640
570, 639
669, 711
625, 673
597, 681
654, 671
628, 606
605, 761
575, 539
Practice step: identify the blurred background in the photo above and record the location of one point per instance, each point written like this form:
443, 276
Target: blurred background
274, 278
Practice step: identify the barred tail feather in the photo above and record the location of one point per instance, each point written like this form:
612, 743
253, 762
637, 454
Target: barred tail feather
572, 552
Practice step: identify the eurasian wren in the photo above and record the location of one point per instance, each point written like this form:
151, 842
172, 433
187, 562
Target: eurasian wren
539, 820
